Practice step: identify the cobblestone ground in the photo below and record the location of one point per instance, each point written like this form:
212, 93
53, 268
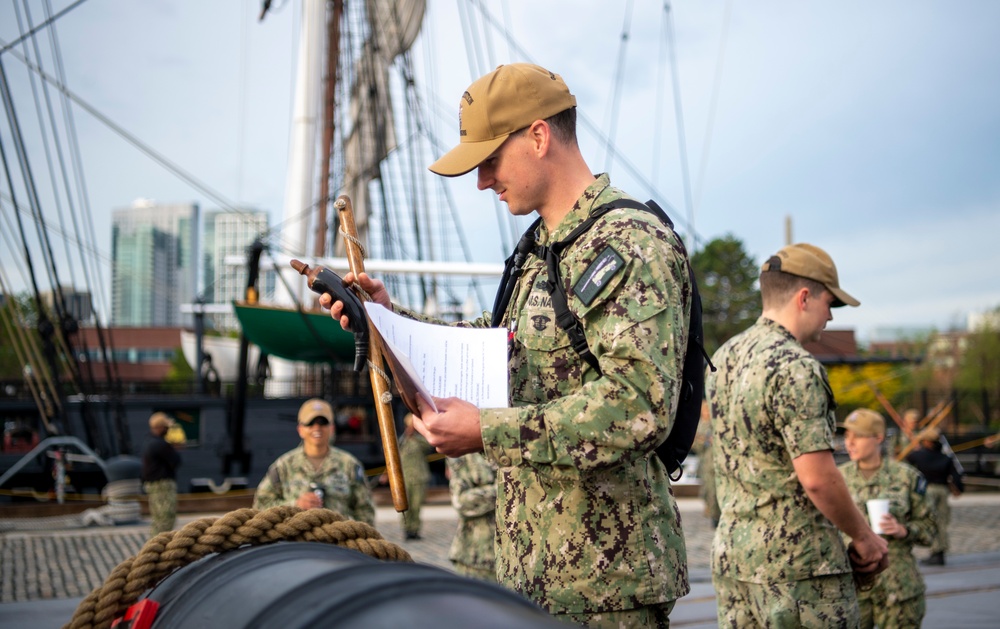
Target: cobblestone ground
69, 564
973, 530
61, 564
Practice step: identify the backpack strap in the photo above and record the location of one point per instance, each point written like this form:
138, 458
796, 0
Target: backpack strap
551, 254
560, 304
512, 271
564, 318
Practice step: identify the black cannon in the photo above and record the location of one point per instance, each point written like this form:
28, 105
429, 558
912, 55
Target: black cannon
295, 585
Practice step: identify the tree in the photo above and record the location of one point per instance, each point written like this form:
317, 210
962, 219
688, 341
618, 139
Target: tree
852, 386
19, 316
727, 279
979, 368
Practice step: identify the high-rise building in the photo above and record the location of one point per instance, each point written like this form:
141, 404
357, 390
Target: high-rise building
229, 234
78, 304
154, 263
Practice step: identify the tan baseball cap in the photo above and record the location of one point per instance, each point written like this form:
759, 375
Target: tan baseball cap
160, 420
311, 409
864, 422
810, 262
496, 105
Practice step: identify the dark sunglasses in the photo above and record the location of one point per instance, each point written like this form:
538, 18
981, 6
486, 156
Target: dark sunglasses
321, 421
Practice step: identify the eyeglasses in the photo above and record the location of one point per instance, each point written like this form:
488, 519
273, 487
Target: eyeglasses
318, 421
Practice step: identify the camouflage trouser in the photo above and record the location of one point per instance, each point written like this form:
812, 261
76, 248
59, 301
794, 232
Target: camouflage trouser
708, 493
901, 615
162, 505
475, 573
828, 601
937, 497
649, 616
415, 493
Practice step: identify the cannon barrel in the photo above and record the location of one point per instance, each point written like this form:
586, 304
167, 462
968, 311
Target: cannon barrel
300, 584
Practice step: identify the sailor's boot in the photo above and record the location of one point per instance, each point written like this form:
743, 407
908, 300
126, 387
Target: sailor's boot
935, 559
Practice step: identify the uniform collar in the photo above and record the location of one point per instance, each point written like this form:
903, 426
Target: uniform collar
771, 323
597, 194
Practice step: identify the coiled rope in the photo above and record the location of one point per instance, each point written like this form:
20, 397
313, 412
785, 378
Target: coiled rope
172, 550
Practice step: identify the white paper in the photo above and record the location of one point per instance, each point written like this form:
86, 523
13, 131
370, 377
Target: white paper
447, 361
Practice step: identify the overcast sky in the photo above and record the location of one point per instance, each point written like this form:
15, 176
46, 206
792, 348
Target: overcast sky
873, 126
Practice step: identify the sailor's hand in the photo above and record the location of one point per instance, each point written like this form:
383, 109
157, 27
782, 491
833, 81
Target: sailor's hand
308, 500
453, 430
892, 527
375, 289
869, 554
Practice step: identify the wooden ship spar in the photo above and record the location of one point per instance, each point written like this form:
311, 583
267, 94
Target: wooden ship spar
360, 129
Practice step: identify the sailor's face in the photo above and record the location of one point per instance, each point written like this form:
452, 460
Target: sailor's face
862, 448
317, 433
819, 313
509, 173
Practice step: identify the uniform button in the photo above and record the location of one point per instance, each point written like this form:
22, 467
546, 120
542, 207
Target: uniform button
505, 460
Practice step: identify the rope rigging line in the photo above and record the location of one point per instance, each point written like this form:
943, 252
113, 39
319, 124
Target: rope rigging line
40, 385
45, 139
615, 97
175, 169
587, 124
170, 551
713, 107
68, 323
51, 20
668, 24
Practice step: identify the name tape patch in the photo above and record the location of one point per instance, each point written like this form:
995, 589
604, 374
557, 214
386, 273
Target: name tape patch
596, 276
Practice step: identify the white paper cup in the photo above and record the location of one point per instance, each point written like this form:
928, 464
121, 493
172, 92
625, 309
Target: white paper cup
876, 509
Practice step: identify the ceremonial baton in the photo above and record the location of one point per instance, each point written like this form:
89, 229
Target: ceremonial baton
376, 371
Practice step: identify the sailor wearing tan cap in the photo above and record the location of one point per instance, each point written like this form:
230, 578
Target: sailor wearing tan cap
944, 479
777, 557
586, 523
896, 598
317, 475
159, 474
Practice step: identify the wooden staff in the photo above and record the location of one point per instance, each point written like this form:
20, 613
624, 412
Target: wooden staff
989, 441
379, 379
888, 407
937, 419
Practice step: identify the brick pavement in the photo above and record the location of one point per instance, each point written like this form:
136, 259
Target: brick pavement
69, 564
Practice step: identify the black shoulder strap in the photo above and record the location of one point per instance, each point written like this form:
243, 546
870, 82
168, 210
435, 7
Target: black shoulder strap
511, 271
551, 254
560, 304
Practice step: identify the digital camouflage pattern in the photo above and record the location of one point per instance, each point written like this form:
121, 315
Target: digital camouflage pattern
825, 602
413, 451
341, 477
474, 495
162, 497
901, 582
586, 518
939, 470
771, 402
937, 498
702, 447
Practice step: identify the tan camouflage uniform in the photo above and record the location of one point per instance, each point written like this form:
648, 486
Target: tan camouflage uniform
474, 495
413, 451
341, 477
586, 519
897, 598
937, 498
162, 497
702, 446
776, 560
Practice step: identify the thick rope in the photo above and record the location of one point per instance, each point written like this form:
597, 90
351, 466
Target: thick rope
169, 551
